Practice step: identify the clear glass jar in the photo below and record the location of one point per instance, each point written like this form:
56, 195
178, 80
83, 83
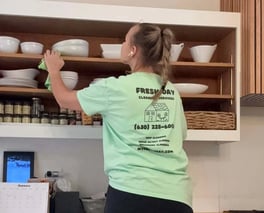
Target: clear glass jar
36, 107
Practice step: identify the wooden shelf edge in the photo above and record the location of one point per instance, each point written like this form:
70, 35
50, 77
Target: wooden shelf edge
207, 96
25, 91
107, 60
44, 92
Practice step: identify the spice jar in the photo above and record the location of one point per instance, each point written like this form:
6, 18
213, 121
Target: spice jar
45, 119
26, 119
9, 108
8, 118
63, 119
97, 119
26, 108
2, 107
71, 119
54, 118
17, 118
35, 119
18, 108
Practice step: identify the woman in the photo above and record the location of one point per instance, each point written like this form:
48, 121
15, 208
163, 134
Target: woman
143, 125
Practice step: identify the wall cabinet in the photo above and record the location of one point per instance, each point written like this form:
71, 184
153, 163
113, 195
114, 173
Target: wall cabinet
94, 23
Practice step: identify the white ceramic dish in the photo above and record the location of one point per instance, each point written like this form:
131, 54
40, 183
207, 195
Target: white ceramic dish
203, 53
30, 47
70, 78
28, 74
71, 42
9, 44
69, 74
112, 54
190, 88
72, 50
69, 82
16, 82
111, 47
176, 50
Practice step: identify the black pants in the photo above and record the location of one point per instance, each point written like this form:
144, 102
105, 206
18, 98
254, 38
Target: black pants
123, 202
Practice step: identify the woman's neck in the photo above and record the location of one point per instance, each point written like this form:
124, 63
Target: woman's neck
139, 68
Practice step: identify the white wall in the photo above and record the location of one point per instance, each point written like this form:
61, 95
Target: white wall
225, 176
179, 4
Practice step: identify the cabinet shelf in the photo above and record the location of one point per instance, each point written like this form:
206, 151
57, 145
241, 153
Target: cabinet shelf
113, 66
49, 131
31, 57
94, 24
28, 92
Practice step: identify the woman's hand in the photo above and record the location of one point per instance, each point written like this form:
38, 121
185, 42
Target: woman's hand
53, 61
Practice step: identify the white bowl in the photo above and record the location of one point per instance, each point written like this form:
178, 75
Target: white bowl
29, 74
69, 74
112, 54
69, 82
72, 50
203, 53
71, 42
176, 50
9, 44
111, 47
30, 47
190, 88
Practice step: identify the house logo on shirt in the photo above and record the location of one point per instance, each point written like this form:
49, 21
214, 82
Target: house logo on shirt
156, 112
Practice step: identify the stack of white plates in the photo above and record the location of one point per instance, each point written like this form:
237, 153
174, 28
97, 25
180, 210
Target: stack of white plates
18, 82
19, 78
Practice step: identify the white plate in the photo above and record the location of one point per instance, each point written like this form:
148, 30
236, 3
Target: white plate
190, 88
27, 74
18, 82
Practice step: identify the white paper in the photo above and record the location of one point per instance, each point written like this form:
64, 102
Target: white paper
24, 197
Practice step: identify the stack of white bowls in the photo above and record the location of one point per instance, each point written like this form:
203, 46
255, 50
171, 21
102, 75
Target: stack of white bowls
111, 50
72, 47
70, 78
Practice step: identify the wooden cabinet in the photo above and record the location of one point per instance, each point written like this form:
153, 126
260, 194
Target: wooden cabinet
95, 24
252, 50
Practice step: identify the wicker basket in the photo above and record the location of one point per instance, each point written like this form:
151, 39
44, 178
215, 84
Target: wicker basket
210, 120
